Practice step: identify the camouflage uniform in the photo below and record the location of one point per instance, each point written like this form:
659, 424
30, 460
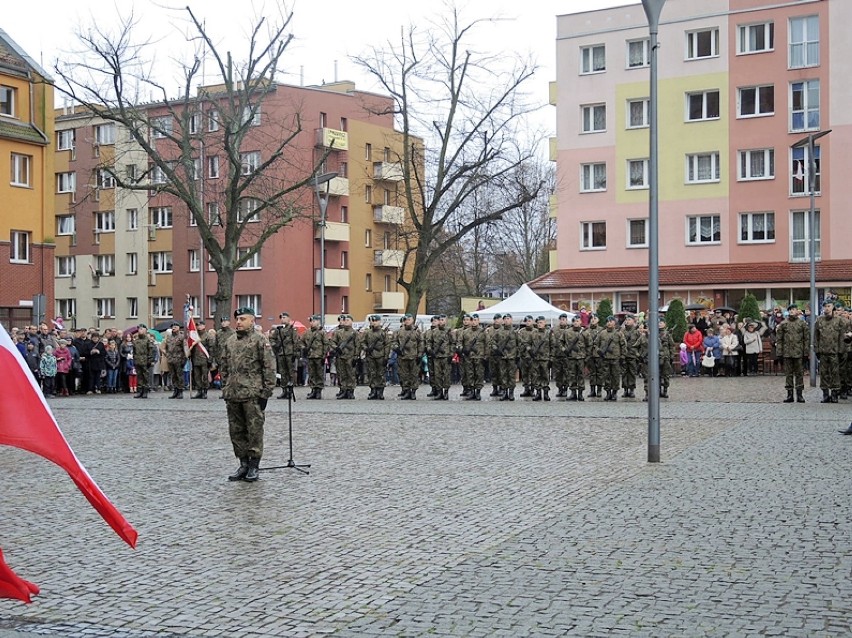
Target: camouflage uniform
315, 347
285, 341
666, 354
428, 338
560, 360
473, 352
829, 343
247, 368
201, 363
793, 345
506, 343
408, 345
609, 347
441, 344
464, 362
575, 348
493, 357
344, 345
630, 357
143, 359
375, 343
524, 365
176, 358
846, 358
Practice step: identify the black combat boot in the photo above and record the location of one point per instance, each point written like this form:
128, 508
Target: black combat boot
625, 393
380, 394
144, 394
834, 396
242, 470
197, 395
495, 391
799, 397
139, 394
789, 398
526, 392
573, 396
405, 395
537, 395
432, 392
253, 468
592, 393
350, 393
560, 391
179, 394
373, 393
477, 396
512, 393
631, 392
413, 396
580, 395
466, 392
664, 392
174, 394
319, 393
504, 396
826, 397
438, 395
339, 394
204, 393
547, 393
847, 431
614, 394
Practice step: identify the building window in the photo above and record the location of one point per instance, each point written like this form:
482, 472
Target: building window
344, 303
368, 238
66, 266
702, 168
21, 169
756, 100
594, 118
637, 233
637, 113
105, 265
344, 214
344, 124
105, 221
161, 216
388, 283
132, 219
322, 119
799, 171
213, 167
8, 97
66, 182
756, 164
105, 134
804, 42
703, 229
368, 152
212, 120
344, 259
253, 262
161, 307
368, 282
637, 173
194, 260
105, 307
804, 106
756, 38
213, 218
132, 307
196, 169
592, 177
250, 301
757, 228
211, 306
702, 106
132, 263
65, 140
702, 44
800, 238
251, 114
247, 210
66, 224
637, 53
593, 59
158, 175
132, 173
593, 235
66, 308
106, 179
249, 162
161, 262
193, 124
368, 194
161, 126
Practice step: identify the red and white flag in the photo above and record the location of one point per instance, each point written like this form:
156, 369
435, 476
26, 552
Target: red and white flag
26, 422
13, 586
193, 339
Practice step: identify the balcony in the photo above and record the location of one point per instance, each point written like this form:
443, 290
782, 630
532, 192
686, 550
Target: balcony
332, 138
334, 277
339, 187
389, 258
385, 214
387, 171
334, 231
393, 302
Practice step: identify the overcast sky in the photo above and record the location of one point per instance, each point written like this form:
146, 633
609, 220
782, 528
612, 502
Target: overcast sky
326, 33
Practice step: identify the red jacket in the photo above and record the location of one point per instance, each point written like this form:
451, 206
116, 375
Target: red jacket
694, 341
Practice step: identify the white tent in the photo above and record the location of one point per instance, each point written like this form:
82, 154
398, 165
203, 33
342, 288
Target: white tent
522, 303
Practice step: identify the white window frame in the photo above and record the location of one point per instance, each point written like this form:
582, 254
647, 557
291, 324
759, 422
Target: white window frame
748, 224
213, 216
646, 109
162, 216
106, 180
645, 55
693, 224
808, 46
132, 218
587, 235
630, 223
799, 161
194, 259
161, 262
66, 308
692, 168
744, 164
105, 307
252, 118
705, 105
213, 166
747, 35
588, 114
587, 59
804, 240
21, 173
645, 174
66, 266
105, 265
193, 123
105, 134
693, 45
162, 307
105, 221
807, 109
247, 209
8, 101
759, 93
132, 307
213, 120
162, 126
66, 182
254, 261
66, 224
132, 263
65, 139
158, 175
591, 180
249, 162
250, 301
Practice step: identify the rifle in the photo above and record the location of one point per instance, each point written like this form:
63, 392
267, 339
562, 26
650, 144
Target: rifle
467, 351
570, 351
339, 349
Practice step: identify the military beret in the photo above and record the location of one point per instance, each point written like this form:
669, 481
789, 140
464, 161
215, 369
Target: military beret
142, 325
498, 316
610, 318
283, 314
407, 316
341, 317
564, 315
436, 317
244, 310
528, 318
577, 318
507, 316
827, 302
474, 316
375, 318
175, 323
314, 318
200, 322
443, 316
540, 318
792, 306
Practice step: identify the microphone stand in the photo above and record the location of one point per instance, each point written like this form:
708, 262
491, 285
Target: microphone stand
291, 397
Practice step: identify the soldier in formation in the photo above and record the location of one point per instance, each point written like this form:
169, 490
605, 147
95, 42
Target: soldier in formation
375, 343
285, 344
574, 347
315, 345
344, 345
793, 344
829, 344
438, 343
560, 360
143, 359
540, 349
505, 347
201, 358
408, 346
472, 350
176, 358
610, 347
630, 357
493, 358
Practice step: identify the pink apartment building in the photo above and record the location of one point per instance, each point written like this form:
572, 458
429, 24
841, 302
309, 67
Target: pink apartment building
740, 82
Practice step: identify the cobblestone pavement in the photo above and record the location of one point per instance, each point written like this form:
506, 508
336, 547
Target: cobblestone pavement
444, 519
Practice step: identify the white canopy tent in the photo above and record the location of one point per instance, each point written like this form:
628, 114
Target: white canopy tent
523, 302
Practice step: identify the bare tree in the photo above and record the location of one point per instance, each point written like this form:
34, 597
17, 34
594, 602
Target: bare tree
258, 194
468, 109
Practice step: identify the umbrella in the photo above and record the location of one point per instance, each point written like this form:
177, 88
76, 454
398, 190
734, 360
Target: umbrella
166, 325
724, 309
300, 327
695, 306
132, 330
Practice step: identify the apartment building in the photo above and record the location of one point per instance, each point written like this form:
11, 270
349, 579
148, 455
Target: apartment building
26, 215
740, 83
127, 255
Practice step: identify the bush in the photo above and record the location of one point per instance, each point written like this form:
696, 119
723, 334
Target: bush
676, 320
749, 309
604, 309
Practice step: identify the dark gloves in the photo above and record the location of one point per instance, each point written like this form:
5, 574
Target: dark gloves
262, 403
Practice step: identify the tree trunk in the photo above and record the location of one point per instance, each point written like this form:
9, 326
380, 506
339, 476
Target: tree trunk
224, 296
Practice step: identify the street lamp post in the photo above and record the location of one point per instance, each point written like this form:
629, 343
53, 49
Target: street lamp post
653, 9
808, 142
322, 200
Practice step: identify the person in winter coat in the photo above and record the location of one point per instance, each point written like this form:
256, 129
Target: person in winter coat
47, 368
97, 365
713, 346
694, 341
64, 378
730, 352
753, 346
112, 358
